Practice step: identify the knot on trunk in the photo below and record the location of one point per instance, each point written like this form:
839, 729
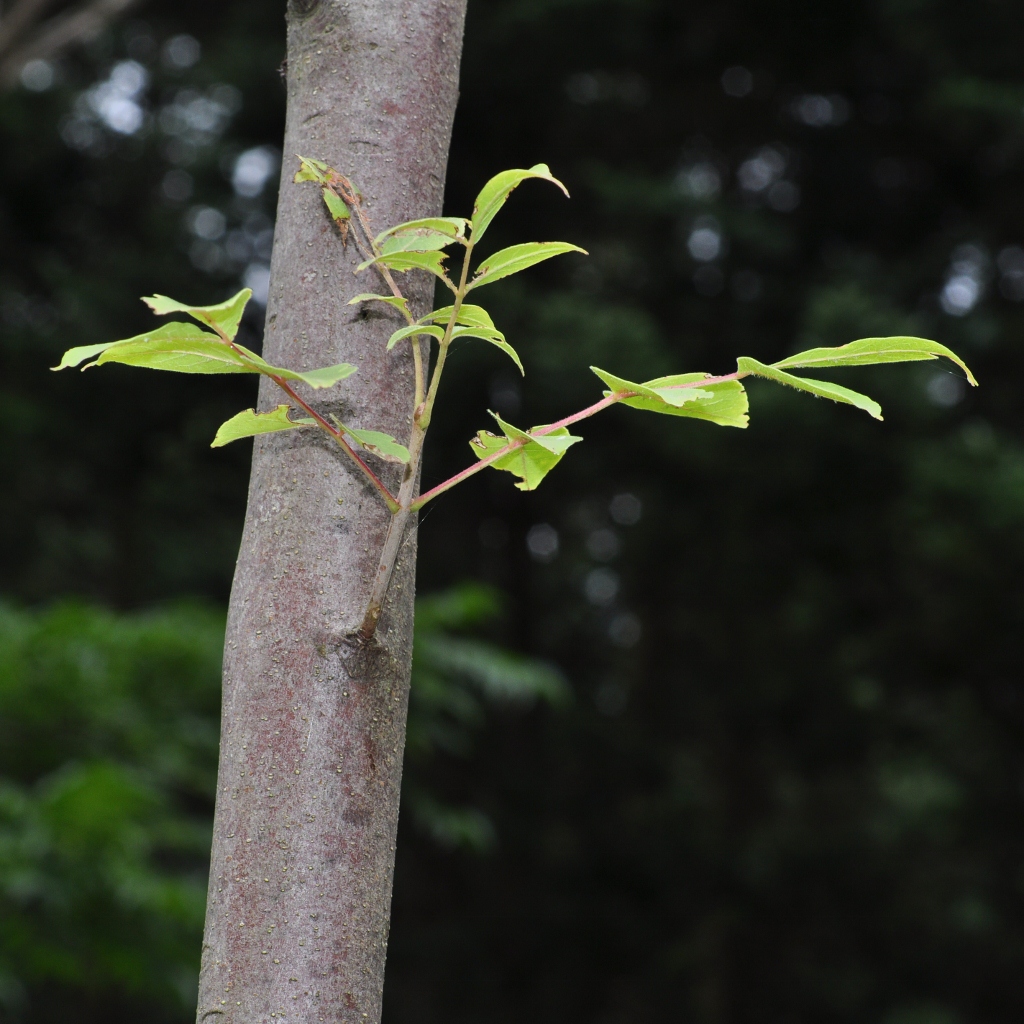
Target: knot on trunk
302, 8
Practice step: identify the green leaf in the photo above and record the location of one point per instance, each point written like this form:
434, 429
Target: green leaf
311, 170
168, 332
397, 301
422, 235
325, 377
384, 446
533, 460
519, 257
727, 405
250, 423
493, 195
338, 209
495, 337
74, 356
405, 261
821, 388
226, 315
202, 354
415, 329
670, 396
469, 316
875, 350
423, 241
452, 227
724, 403
185, 348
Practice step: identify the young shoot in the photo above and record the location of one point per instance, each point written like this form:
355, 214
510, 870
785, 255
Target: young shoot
426, 245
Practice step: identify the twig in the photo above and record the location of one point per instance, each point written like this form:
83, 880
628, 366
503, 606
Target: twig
335, 434
60, 32
22, 16
568, 421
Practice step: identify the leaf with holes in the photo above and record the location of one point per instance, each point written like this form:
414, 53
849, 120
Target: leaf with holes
224, 317
869, 351
250, 423
311, 170
495, 193
821, 388
518, 257
533, 458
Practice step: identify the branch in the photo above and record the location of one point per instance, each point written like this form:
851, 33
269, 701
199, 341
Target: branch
568, 421
21, 18
57, 34
338, 436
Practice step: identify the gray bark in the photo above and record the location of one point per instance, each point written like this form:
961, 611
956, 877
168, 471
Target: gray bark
313, 719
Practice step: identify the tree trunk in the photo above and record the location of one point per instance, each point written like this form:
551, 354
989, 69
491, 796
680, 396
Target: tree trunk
313, 719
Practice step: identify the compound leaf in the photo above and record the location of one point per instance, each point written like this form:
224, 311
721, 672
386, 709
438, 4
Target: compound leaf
821, 388
868, 351
519, 257
250, 423
226, 316
399, 302
384, 446
415, 329
493, 195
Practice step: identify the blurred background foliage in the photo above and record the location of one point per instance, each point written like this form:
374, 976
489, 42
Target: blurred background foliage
778, 775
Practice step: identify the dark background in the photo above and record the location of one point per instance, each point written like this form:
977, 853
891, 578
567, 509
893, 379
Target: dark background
789, 785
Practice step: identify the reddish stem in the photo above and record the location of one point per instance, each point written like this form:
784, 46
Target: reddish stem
583, 414
388, 497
